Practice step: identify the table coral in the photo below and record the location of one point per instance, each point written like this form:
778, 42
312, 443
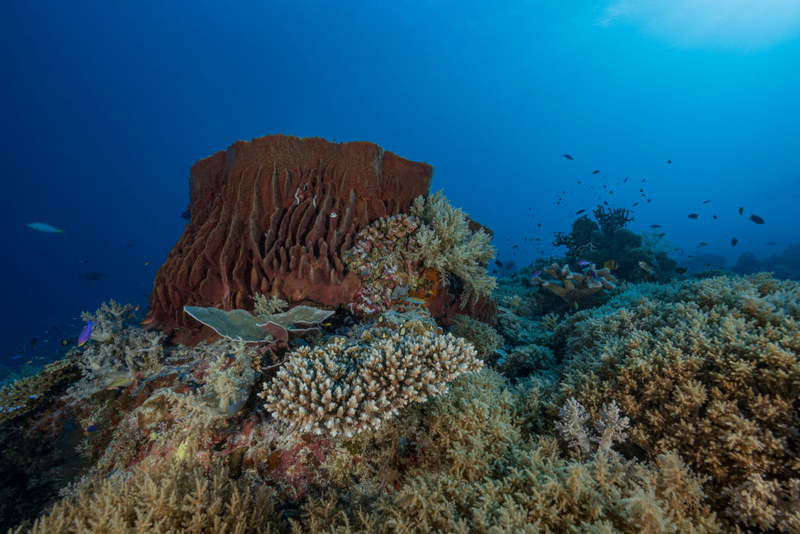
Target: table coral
576, 288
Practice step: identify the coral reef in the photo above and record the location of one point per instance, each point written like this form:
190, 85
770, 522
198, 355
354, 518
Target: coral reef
608, 242
433, 258
713, 362
384, 257
446, 243
337, 389
274, 215
577, 289
175, 498
483, 337
31, 393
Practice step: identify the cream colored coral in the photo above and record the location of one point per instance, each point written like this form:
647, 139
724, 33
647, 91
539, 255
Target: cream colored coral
337, 389
446, 243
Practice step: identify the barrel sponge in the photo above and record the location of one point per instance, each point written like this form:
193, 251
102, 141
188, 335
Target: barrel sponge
338, 389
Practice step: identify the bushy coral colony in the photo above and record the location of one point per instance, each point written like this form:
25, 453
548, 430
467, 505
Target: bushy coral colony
419, 394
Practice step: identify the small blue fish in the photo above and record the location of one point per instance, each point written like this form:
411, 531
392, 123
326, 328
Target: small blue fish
46, 228
86, 333
93, 428
583, 263
17, 357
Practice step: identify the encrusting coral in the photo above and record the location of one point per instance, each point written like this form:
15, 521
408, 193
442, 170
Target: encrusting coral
336, 389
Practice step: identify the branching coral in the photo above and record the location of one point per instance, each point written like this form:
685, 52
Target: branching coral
713, 362
337, 389
229, 379
612, 219
27, 394
109, 318
485, 338
170, 498
446, 244
116, 362
609, 426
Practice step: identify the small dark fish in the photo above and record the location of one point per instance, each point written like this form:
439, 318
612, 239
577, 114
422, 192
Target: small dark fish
681, 270
498, 263
669, 162
186, 215
92, 276
655, 226
741, 210
756, 219
83, 262
703, 244
693, 215
494, 271
129, 245
514, 246
538, 225
568, 157
734, 241
34, 341
55, 327
706, 201
715, 216
65, 342
595, 172
634, 204
579, 212
772, 242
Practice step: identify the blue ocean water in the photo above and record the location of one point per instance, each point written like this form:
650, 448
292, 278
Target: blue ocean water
107, 105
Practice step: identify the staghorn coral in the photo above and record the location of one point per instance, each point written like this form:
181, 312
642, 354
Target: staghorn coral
525, 360
713, 362
267, 306
170, 498
609, 426
117, 362
337, 389
483, 337
445, 243
109, 318
478, 474
229, 379
612, 219
28, 394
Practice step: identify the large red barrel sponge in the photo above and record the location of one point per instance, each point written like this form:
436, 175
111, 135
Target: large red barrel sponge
274, 216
